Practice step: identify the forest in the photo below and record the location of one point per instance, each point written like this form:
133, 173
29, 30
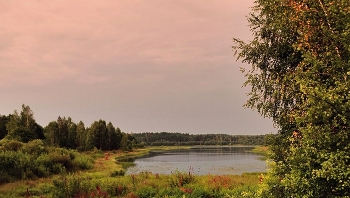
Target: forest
185, 139
64, 132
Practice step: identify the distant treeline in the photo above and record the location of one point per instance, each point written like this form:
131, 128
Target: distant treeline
63, 132
168, 139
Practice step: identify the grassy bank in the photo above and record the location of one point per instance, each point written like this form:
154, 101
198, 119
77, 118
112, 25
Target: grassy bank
145, 185
146, 151
263, 151
107, 179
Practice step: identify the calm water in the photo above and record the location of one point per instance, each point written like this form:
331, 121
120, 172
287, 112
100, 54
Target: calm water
201, 161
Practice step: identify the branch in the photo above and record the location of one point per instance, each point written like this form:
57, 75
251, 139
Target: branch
329, 25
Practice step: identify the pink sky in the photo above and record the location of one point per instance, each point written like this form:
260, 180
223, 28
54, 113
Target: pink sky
143, 65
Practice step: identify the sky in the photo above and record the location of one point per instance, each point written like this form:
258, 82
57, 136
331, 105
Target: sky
145, 66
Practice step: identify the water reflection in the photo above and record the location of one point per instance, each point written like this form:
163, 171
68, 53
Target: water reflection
201, 160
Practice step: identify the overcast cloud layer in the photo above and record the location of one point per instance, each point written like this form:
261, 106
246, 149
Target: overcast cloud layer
160, 65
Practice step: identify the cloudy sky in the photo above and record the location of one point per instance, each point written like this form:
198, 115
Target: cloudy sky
159, 65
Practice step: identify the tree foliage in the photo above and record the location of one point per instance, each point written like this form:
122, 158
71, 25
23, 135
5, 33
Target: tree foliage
64, 132
35, 160
300, 58
3, 121
67, 134
23, 127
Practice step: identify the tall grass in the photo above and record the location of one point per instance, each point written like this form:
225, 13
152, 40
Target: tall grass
146, 184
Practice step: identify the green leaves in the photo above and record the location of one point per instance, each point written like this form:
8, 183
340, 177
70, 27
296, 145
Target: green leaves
300, 62
23, 127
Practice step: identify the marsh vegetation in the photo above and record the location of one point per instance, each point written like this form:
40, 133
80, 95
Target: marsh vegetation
100, 174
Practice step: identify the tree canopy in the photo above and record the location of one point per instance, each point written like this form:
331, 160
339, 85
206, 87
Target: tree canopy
23, 127
299, 76
64, 133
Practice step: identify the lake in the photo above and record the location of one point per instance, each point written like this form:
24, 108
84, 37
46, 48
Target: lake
201, 160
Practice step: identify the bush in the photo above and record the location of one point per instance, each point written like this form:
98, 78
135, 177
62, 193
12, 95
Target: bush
44, 160
12, 145
61, 158
14, 163
5, 177
34, 147
83, 162
32, 160
118, 173
42, 171
57, 168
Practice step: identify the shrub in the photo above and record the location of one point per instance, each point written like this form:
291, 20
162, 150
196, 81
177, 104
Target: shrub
12, 145
118, 173
83, 162
57, 168
42, 171
44, 160
14, 163
34, 147
5, 177
61, 158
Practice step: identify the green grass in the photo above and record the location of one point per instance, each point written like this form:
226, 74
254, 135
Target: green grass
263, 151
147, 184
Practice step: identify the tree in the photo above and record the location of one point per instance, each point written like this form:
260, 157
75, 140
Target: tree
90, 139
52, 133
22, 134
100, 133
72, 134
3, 121
125, 143
63, 130
117, 139
27, 117
81, 136
23, 126
112, 136
300, 60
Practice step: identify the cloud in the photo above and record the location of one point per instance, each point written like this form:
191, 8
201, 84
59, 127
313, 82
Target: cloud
59, 40
146, 65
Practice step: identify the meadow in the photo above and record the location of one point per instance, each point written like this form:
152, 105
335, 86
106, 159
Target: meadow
100, 174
